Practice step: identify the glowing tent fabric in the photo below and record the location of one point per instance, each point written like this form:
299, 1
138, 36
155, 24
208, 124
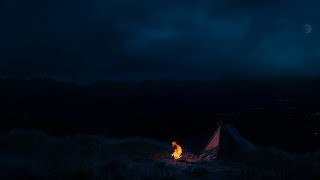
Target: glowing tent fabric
211, 150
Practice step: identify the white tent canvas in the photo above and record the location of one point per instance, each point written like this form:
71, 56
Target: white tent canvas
211, 149
223, 134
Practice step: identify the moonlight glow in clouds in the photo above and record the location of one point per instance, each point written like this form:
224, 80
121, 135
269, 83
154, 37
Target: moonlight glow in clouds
86, 41
307, 28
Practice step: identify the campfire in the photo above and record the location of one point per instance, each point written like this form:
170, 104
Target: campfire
177, 151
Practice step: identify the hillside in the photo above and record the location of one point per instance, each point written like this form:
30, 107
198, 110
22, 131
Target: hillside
282, 112
34, 155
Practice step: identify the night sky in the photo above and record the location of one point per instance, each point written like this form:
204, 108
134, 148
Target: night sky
90, 40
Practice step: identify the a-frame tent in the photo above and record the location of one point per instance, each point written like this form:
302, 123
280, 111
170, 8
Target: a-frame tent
226, 141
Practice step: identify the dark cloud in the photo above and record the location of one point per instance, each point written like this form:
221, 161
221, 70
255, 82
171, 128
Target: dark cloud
81, 40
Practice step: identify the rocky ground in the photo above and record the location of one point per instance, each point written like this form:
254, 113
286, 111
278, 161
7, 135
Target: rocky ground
26, 154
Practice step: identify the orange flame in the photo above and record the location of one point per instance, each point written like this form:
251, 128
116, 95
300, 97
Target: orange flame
177, 151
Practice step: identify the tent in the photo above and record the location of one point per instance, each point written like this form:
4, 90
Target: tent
226, 141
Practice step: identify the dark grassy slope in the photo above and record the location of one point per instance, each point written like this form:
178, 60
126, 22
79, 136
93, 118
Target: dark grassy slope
35, 155
280, 112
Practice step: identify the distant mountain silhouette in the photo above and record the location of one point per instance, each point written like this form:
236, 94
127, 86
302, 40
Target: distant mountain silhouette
166, 109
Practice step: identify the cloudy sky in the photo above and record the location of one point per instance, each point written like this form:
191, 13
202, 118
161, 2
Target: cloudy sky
86, 41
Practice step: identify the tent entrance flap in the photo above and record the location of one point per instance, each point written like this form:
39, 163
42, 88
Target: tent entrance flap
211, 149
227, 140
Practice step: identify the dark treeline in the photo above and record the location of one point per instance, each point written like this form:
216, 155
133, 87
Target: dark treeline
284, 113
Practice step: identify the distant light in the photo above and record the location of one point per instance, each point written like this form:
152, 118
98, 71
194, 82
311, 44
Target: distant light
315, 133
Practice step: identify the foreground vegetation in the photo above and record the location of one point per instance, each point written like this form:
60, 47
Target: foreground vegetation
30, 154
